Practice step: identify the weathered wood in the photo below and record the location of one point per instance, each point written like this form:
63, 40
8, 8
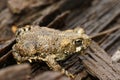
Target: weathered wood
6, 46
100, 64
81, 75
59, 21
48, 76
45, 16
3, 58
51, 12
17, 72
97, 17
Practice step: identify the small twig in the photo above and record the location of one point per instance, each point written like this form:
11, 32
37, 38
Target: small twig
105, 32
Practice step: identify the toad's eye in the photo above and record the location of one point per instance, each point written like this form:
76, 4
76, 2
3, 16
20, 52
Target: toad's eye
78, 42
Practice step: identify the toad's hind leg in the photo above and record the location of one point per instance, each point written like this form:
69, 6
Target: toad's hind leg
50, 60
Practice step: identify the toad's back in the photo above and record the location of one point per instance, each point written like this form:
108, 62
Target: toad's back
35, 39
42, 38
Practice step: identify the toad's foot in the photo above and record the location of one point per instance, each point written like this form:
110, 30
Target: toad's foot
67, 73
50, 60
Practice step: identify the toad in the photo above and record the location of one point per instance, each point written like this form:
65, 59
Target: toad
49, 45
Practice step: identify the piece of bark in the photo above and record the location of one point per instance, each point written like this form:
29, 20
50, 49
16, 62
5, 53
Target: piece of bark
6, 46
6, 57
40, 17
48, 14
56, 9
17, 72
81, 75
110, 40
49, 75
111, 43
3, 58
100, 64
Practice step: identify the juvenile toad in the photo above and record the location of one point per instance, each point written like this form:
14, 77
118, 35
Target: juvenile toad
49, 45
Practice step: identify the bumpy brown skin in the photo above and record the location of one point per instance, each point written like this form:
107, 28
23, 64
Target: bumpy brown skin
49, 45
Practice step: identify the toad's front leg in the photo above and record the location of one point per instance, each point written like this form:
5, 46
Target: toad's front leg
50, 60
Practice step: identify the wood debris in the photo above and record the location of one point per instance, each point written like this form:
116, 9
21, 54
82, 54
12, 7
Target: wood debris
99, 18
